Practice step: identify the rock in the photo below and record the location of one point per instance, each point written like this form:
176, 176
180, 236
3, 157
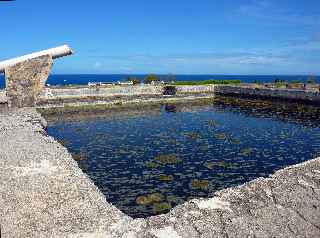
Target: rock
25, 81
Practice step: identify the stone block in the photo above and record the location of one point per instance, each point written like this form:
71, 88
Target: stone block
25, 80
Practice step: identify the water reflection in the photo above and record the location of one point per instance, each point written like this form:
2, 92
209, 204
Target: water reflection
146, 160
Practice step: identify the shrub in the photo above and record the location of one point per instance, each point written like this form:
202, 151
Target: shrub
151, 78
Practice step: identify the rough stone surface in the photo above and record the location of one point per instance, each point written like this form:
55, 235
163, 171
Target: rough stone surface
251, 90
3, 97
106, 94
43, 193
25, 81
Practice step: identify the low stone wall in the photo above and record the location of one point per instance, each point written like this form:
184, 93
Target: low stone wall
99, 94
65, 92
85, 91
195, 89
311, 95
51, 97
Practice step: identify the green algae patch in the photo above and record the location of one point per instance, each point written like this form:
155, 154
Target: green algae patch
151, 165
165, 178
167, 159
143, 200
220, 136
149, 199
245, 152
209, 165
226, 165
235, 141
192, 135
161, 207
204, 147
200, 184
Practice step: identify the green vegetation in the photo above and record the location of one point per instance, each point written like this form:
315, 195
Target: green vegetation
163, 177
209, 165
161, 207
245, 152
151, 78
205, 82
167, 159
192, 135
200, 184
149, 199
280, 84
151, 165
220, 136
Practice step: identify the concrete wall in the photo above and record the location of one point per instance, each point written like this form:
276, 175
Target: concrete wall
112, 91
196, 89
144, 92
277, 93
101, 91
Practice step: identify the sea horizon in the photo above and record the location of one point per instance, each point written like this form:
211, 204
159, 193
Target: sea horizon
84, 79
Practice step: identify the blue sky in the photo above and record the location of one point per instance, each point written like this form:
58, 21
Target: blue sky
168, 36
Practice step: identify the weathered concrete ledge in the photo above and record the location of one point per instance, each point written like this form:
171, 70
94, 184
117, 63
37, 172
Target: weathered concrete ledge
43, 193
145, 92
65, 95
258, 91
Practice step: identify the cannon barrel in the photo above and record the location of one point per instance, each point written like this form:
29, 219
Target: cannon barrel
54, 52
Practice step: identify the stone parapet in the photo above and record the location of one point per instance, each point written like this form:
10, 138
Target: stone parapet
310, 95
25, 80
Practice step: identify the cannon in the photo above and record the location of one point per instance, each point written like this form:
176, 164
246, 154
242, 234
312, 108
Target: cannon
25, 76
55, 53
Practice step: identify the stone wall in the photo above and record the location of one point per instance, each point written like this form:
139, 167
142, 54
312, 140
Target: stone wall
85, 91
112, 91
25, 81
196, 89
276, 93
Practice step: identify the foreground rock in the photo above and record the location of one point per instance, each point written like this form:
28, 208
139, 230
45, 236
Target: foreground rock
45, 194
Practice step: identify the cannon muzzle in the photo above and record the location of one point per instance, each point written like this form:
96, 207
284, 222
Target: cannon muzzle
57, 52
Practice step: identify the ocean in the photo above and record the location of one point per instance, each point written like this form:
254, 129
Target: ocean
83, 79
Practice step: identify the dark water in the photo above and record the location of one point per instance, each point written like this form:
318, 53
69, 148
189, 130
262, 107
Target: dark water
148, 160
83, 79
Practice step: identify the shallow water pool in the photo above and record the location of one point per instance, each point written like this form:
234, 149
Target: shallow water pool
150, 159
